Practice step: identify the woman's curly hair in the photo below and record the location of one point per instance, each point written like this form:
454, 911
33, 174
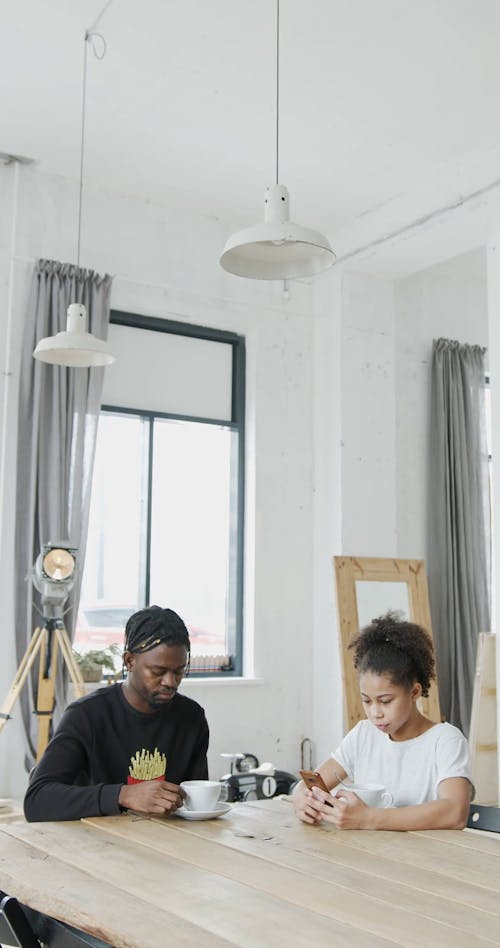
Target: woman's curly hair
402, 650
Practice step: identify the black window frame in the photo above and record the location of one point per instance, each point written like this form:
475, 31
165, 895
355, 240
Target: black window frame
236, 423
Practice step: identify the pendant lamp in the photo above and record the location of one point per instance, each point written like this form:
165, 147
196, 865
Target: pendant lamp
277, 249
75, 346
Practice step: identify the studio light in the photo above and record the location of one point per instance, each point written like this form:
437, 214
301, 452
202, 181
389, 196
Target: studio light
54, 573
75, 347
278, 249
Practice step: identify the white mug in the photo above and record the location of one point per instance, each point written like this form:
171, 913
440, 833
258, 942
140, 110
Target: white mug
201, 794
373, 794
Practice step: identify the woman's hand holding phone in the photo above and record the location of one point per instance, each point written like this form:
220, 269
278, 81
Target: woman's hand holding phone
313, 778
304, 809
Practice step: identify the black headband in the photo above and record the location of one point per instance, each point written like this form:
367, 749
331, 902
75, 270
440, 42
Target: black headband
149, 627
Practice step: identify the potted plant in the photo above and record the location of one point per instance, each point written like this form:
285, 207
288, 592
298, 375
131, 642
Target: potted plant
93, 662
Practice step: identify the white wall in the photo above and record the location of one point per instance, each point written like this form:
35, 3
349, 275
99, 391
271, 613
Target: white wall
450, 301
169, 267
387, 334
372, 387
368, 417
327, 419
337, 402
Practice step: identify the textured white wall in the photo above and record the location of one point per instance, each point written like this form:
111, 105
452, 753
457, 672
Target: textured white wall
169, 267
448, 300
327, 722
336, 436
381, 350
368, 417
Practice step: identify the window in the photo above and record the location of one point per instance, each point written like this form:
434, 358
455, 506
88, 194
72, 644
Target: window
166, 519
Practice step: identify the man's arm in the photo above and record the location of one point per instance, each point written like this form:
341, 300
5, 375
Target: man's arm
53, 793
163, 798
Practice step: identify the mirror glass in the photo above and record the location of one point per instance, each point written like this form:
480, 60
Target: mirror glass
374, 599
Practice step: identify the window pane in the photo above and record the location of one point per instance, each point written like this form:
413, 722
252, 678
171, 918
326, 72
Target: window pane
113, 584
190, 528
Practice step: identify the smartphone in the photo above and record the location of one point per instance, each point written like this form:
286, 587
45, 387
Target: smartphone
312, 779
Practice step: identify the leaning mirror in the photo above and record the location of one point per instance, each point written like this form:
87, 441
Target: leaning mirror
368, 587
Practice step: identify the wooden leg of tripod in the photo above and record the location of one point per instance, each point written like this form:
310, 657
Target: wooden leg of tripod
24, 667
69, 658
46, 691
55, 638
47, 682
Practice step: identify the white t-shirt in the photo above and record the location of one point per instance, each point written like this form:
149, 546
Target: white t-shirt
411, 770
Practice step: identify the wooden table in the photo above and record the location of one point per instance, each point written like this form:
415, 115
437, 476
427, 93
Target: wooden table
256, 877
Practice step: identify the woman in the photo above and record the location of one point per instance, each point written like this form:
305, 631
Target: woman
424, 766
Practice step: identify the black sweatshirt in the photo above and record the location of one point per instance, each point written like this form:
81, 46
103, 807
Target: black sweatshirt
87, 761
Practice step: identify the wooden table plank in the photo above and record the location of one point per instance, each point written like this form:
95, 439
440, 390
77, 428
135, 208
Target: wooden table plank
10, 810
102, 909
318, 885
240, 914
432, 850
432, 855
480, 840
266, 818
256, 877
273, 843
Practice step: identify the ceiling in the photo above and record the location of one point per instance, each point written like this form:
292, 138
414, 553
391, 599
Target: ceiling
389, 110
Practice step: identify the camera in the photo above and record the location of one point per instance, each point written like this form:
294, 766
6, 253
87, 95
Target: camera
249, 784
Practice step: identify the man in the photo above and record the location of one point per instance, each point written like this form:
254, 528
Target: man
85, 767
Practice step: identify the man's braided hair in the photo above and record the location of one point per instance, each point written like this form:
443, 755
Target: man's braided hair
155, 626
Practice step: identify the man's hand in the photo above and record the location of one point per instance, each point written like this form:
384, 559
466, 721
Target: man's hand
151, 797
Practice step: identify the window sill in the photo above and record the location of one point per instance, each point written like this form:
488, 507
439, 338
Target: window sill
220, 680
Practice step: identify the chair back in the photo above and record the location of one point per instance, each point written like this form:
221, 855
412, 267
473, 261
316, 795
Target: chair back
484, 818
15, 928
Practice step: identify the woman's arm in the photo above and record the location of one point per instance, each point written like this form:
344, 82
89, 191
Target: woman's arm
449, 811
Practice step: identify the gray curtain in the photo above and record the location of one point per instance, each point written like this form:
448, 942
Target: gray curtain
459, 529
58, 416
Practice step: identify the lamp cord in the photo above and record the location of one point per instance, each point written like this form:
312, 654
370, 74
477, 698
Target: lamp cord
100, 15
82, 142
90, 37
277, 88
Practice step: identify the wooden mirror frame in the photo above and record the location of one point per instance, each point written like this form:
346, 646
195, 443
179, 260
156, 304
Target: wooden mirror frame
351, 569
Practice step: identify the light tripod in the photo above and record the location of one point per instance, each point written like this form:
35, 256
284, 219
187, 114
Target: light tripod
53, 576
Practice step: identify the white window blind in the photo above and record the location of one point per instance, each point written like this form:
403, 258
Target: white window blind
166, 372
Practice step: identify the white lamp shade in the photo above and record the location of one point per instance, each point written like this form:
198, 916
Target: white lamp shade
75, 346
277, 249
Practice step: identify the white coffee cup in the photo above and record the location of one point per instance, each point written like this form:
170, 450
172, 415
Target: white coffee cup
201, 794
373, 794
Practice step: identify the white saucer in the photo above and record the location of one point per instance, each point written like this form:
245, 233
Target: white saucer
220, 809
